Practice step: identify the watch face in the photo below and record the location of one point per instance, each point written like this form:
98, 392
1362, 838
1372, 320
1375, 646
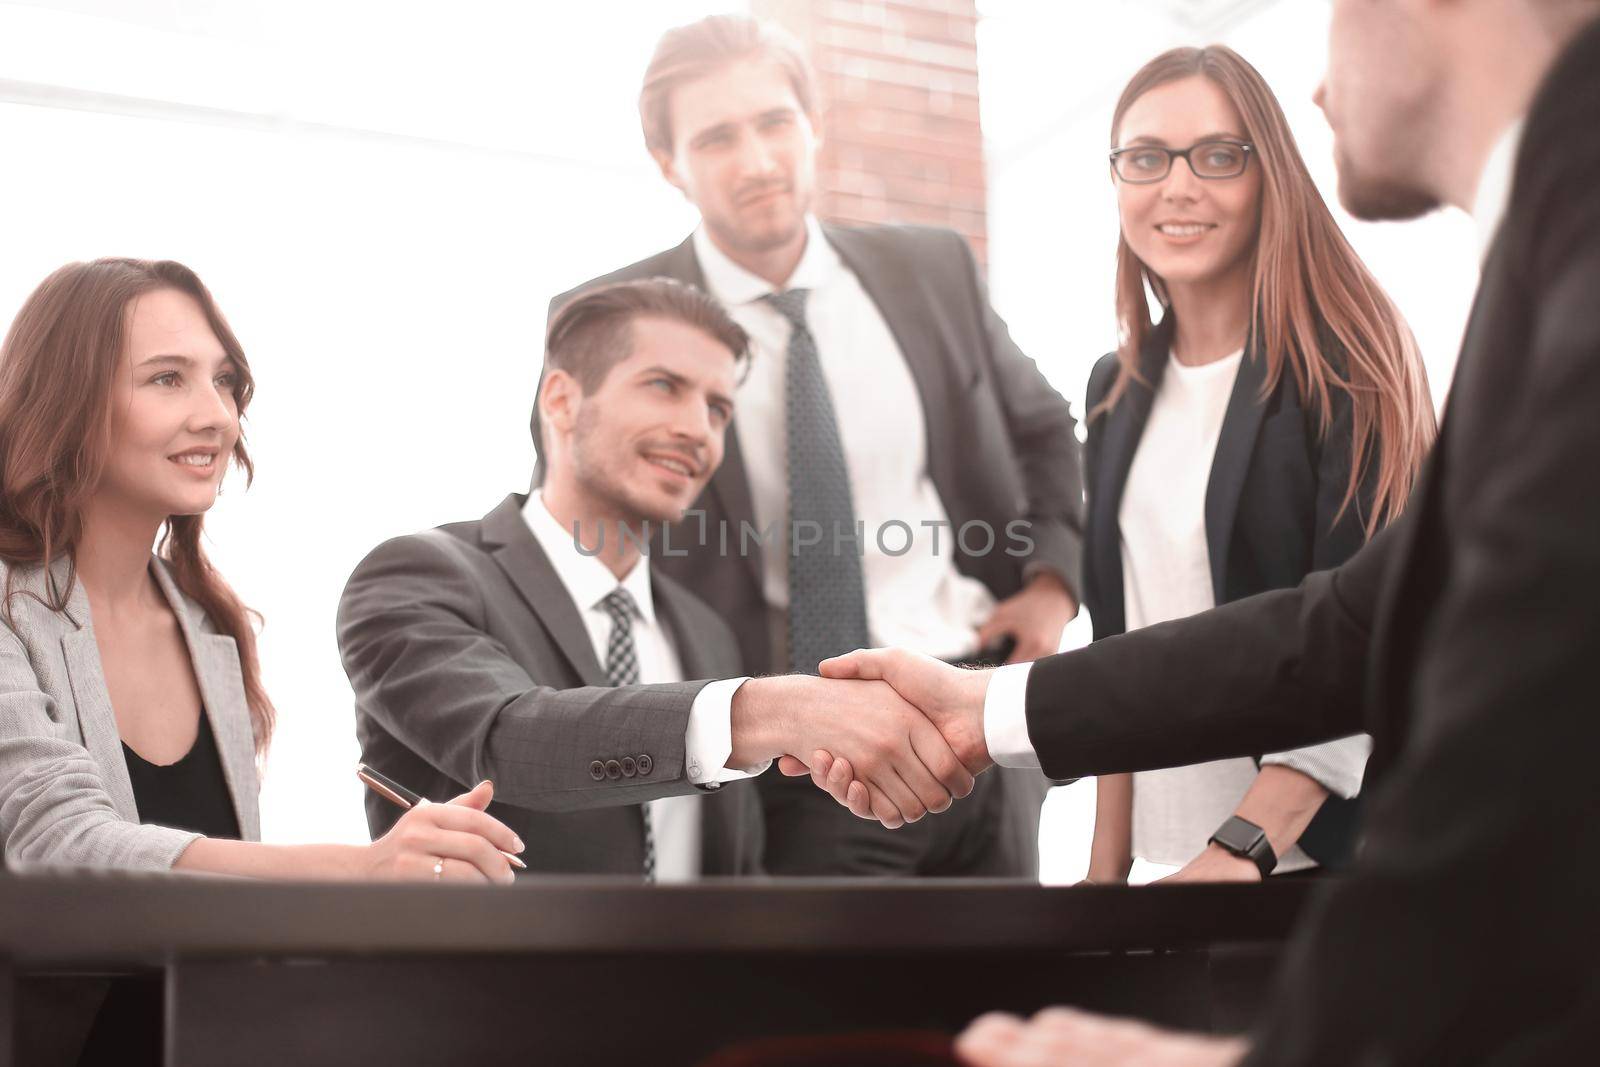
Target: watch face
1237, 835
1244, 838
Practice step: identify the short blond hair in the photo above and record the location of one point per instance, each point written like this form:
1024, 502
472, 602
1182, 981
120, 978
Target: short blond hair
685, 53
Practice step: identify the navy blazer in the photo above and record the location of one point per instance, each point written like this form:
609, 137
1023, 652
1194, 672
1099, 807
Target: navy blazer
1272, 506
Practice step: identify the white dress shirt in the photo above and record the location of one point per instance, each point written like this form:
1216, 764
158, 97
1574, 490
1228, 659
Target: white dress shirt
916, 599
708, 741
1494, 187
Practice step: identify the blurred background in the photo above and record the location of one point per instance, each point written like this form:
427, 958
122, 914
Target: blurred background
385, 194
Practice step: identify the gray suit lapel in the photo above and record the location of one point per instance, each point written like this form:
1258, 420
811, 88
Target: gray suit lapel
91, 699
95, 717
218, 673
695, 658
518, 554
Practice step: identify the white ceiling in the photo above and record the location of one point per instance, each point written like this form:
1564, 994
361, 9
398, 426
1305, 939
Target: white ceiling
1206, 16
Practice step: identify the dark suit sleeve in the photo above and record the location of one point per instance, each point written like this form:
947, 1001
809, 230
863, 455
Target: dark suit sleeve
414, 639
1276, 671
1467, 932
1044, 439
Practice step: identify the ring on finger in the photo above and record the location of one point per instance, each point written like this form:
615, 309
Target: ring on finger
438, 868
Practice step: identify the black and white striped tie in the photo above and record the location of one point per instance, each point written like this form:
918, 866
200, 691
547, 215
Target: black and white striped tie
827, 594
622, 668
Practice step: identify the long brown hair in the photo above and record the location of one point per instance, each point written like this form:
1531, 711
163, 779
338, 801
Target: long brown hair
57, 368
1308, 286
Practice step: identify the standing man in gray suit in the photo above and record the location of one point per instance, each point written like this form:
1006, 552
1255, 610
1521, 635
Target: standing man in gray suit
926, 476
541, 648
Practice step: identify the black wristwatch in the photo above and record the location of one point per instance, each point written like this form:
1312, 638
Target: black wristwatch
1244, 838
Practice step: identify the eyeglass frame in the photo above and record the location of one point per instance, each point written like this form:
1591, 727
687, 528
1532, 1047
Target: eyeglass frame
1174, 154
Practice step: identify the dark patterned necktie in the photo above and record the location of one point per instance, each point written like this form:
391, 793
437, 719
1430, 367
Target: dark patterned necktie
622, 668
827, 596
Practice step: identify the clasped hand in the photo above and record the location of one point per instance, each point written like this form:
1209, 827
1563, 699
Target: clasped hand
856, 752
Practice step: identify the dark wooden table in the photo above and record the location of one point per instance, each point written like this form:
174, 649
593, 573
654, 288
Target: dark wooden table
570, 971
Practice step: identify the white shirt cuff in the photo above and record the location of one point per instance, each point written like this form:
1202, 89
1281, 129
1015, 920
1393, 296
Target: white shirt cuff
708, 742
1005, 718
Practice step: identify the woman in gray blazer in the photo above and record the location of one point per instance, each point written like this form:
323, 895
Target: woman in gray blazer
132, 714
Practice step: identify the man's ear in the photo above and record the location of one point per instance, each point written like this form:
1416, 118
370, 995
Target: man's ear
559, 400
816, 131
667, 163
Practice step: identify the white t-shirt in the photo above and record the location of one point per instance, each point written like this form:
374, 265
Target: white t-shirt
1166, 574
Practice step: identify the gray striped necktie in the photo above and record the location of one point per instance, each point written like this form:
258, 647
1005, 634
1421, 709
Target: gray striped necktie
827, 595
622, 668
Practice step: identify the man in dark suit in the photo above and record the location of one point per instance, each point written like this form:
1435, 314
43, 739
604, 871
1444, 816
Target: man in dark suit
539, 647
889, 416
1463, 638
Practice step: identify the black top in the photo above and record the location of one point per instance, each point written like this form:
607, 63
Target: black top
190, 794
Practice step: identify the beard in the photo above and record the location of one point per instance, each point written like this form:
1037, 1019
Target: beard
760, 235
1375, 198
600, 471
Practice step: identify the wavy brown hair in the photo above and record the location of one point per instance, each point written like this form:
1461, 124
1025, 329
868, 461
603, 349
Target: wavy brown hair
1309, 286
57, 368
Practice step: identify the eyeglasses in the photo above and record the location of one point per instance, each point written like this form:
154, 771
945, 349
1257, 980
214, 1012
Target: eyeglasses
1213, 160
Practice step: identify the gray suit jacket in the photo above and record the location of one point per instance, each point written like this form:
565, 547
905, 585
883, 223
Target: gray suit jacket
1002, 444
65, 796
469, 660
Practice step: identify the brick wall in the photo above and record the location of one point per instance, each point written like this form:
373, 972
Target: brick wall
899, 84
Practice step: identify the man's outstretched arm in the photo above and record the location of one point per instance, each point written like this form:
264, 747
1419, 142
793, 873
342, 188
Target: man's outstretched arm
418, 651
1275, 671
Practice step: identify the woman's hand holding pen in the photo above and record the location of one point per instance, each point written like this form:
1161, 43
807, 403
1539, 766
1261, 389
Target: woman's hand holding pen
454, 842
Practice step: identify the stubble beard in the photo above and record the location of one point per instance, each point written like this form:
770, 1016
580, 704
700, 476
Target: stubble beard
766, 239
605, 485
1378, 199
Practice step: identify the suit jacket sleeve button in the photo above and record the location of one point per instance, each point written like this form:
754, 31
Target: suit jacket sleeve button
646, 764
613, 769
629, 767
597, 770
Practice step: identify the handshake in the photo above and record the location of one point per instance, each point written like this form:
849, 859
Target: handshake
890, 734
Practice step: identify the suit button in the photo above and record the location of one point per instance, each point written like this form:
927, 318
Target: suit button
613, 769
646, 764
629, 768
597, 770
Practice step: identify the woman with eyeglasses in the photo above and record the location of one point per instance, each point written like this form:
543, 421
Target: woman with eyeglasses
132, 714
1262, 424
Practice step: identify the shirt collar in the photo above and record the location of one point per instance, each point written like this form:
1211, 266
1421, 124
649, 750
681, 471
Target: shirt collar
732, 285
1494, 187
585, 577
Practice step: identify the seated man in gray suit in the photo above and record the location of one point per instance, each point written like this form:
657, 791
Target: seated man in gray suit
538, 646
887, 401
